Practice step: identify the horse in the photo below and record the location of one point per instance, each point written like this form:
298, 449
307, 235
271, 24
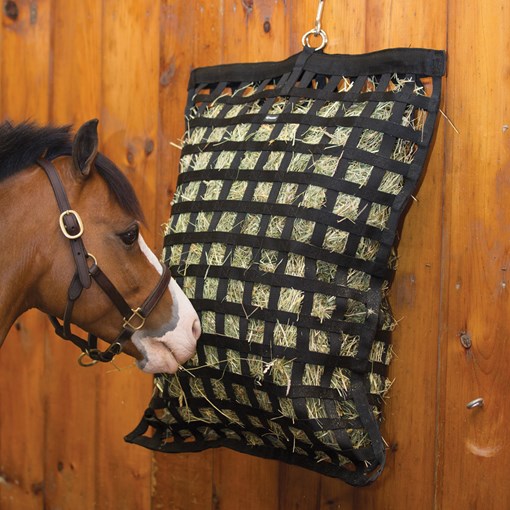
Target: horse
72, 248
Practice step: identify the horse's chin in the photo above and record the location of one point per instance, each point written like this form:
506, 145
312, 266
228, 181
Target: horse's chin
161, 356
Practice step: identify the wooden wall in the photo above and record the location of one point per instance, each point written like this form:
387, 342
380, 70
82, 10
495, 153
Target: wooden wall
127, 62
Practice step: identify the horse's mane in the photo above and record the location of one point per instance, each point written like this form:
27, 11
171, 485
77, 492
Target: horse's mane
21, 145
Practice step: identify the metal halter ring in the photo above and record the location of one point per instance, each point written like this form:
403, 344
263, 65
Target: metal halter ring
136, 314
320, 33
83, 363
63, 227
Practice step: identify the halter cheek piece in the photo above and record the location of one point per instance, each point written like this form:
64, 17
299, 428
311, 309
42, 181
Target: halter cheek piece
87, 270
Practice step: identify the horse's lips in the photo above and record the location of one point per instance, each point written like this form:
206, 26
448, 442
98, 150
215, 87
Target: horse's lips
158, 356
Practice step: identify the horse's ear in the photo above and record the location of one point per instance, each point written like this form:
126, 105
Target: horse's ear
85, 147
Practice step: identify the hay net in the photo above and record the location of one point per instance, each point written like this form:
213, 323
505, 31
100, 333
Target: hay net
293, 178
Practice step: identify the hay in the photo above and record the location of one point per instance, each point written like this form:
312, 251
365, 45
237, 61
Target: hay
264, 401
285, 335
379, 216
326, 271
235, 291
326, 165
274, 161
339, 137
217, 135
227, 222
249, 160
211, 288
329, 109
287, 409
358, 280
302, 106
287, 193
225, 160
260, 295
347, 206
347, 409
314, 197
319, 341
370, 140
295, 265
262, 191
358, 173
323, 306
212, 190
288, 133
379, 385
251, 224
263, 133
217, 256
367, 249
341, 381
239, 133
355, 312
241, 394
299, 162
269, 261
350, 345
242, 257
276, 226
234, 364
314, 135
203, 221
255, 331
335, 240
208, 322
237, 190
315, 408
290, 300
232, 328
302, 230
312, 375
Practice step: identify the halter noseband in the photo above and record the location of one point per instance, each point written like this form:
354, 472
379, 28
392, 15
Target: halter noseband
134, 318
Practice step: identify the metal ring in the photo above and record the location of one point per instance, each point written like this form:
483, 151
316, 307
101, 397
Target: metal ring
477, 402
82, 363
63, 227
94, 260
321, 33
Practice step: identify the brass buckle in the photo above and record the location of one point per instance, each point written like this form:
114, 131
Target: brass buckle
63, 227
135, 315
83, 363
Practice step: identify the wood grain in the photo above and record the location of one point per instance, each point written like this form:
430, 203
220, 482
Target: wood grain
24, 91
128, 63
475, 443
129, 114
70, 460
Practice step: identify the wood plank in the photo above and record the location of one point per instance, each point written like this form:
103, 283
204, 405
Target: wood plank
130, 73
182, 481
70, 460
475, 452
411, 410
24, 91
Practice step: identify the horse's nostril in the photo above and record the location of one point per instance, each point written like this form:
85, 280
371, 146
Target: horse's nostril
196, 330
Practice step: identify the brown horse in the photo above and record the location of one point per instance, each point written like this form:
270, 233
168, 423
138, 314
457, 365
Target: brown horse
71, 247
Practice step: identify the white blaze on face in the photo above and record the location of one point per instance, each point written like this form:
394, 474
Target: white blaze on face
174, 342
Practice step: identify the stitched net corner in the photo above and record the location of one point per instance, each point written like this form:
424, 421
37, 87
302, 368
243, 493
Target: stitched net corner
293, 179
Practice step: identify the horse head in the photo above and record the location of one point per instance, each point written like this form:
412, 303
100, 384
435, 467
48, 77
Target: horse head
77, 252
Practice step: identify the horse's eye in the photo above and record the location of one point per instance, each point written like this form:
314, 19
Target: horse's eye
130, 236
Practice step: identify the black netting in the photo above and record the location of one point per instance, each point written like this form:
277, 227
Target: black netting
294, 177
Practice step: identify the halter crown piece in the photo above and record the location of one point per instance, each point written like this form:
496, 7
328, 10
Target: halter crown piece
72, 228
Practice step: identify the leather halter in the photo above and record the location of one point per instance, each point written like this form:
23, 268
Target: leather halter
134, 318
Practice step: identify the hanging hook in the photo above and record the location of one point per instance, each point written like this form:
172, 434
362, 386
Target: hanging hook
319, 17
317, 30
